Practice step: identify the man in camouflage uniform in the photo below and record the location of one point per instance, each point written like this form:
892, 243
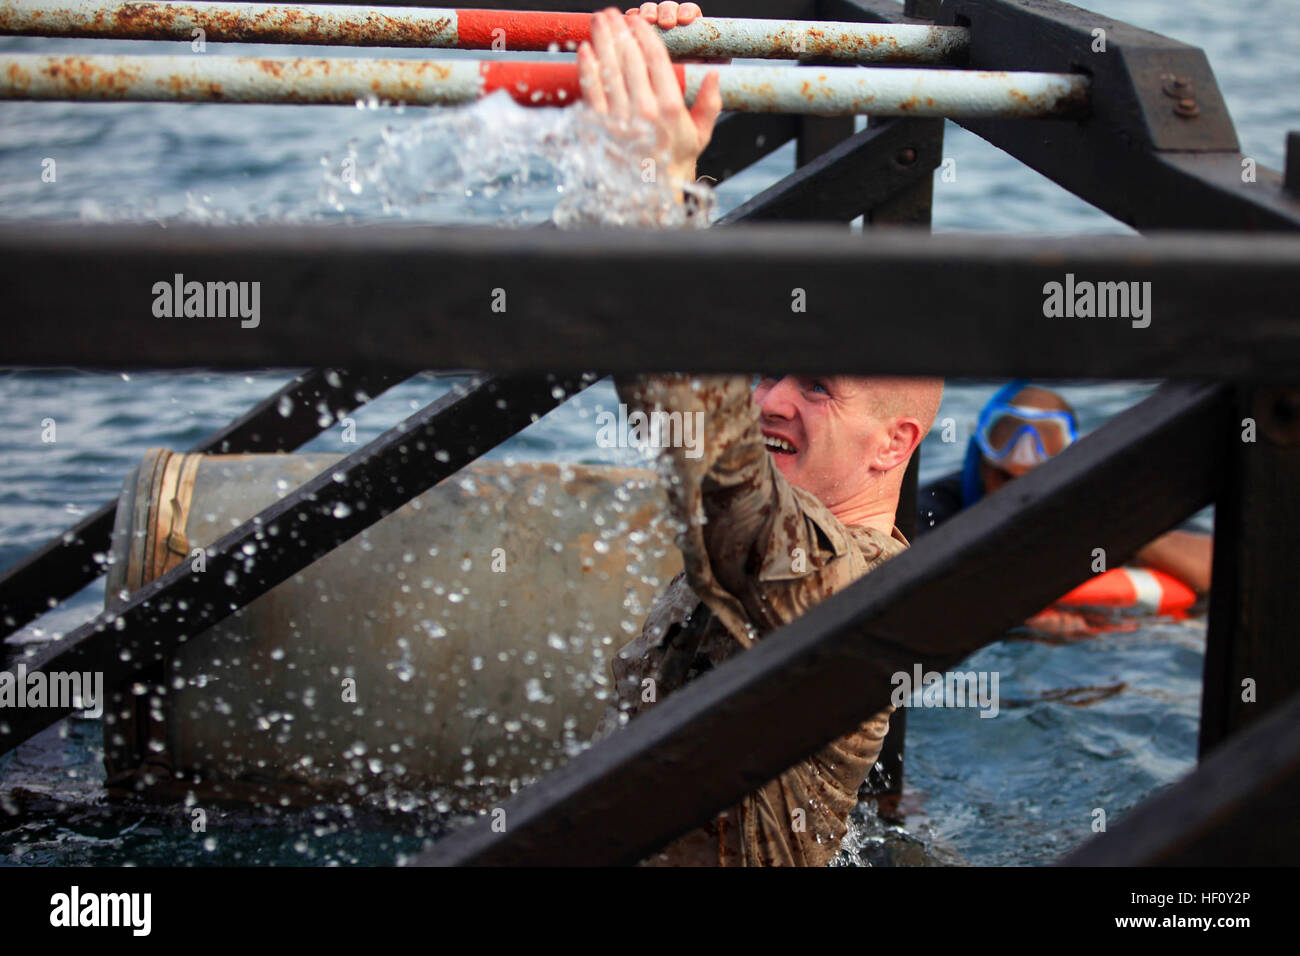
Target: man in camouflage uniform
790, 498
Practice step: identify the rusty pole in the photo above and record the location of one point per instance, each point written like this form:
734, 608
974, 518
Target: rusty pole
516, 30
756, 89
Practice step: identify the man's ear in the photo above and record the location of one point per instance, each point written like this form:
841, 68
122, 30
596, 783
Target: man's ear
904, 436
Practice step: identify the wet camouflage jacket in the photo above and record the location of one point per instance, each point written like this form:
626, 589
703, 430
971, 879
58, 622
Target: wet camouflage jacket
758, 552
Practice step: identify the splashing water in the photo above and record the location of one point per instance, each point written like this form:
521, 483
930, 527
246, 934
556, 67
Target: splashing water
491, 161
512, 165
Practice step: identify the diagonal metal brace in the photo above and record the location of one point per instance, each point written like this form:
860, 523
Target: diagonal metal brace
66, 564
289, 535
736, 727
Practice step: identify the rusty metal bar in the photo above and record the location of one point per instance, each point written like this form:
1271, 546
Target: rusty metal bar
515, 30
825, 91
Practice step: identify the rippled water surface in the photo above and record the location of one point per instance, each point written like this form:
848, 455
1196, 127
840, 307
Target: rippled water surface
1104, 722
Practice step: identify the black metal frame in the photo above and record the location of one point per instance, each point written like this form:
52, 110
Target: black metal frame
802, 685
1157, 151
63, 566
326, 511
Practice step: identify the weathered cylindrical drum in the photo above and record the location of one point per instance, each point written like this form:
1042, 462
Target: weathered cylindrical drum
455, 650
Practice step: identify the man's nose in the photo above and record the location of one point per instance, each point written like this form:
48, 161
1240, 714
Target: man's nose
779, 402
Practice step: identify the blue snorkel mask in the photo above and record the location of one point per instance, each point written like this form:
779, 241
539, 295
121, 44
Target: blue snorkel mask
1018, 435
1008, 434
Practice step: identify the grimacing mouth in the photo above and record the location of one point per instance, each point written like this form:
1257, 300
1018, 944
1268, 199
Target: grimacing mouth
778, 445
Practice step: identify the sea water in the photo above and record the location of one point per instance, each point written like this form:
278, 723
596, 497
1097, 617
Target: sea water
1103, 722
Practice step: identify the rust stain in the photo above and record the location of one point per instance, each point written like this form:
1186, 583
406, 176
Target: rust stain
144, 19
440, 71
76, 76
19, 78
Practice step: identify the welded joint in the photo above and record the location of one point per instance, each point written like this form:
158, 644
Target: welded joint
1151, 91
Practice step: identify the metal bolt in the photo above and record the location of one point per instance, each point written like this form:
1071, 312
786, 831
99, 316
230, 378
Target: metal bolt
1177, 86
1278, 413
1187, 107
906, 156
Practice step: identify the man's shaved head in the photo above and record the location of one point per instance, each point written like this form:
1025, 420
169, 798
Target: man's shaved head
846, 438
917, 398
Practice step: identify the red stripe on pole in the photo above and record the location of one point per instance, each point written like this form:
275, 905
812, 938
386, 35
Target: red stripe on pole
532, 84
522, 30
541, 83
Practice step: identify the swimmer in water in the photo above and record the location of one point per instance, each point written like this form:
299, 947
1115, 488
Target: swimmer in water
1021, 427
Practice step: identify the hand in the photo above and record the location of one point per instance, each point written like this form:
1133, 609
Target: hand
625, 71
667, 15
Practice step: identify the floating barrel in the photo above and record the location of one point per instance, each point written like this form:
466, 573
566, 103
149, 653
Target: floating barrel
456, 649
1142, 590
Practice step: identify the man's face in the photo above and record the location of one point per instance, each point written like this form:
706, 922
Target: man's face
821, 431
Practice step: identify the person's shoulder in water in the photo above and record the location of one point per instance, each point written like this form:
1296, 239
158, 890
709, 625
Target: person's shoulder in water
937, 502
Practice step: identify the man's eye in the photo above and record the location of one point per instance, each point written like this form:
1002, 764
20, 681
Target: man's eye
817, 386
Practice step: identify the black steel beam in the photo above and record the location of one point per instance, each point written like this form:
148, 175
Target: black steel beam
1291, 174
1251, 663
1158, 150
852, 177
868, 11
818, 134
742, 139
713, 741
310, 521
1238, 808
66, 564
1220, 306
910, 205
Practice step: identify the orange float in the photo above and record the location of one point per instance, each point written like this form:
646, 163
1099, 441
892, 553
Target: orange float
1143, 590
